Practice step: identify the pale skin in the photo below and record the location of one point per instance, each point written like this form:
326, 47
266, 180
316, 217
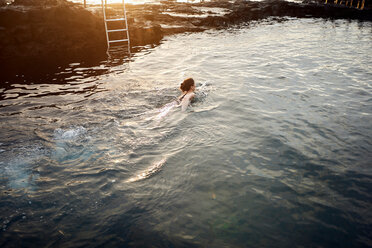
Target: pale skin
187, 98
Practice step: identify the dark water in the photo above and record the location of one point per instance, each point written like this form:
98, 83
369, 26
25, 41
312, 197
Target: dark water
275, 152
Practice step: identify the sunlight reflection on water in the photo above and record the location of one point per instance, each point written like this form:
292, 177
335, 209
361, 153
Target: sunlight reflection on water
276, 142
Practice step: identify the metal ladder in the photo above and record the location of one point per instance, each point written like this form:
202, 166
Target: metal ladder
122, 19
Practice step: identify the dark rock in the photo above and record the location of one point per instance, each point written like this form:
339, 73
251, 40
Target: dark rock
53, 33
147, 35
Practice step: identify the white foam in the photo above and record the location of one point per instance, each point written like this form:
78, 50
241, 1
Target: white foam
69, 134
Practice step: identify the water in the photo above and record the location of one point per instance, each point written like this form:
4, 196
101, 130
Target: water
275, 152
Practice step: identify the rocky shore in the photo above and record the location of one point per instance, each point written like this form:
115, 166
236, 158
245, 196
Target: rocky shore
52, 32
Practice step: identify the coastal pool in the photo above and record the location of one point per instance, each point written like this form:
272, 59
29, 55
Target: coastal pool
275, 151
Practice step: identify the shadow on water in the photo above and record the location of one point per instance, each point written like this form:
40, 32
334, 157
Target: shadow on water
60, 71
65, 72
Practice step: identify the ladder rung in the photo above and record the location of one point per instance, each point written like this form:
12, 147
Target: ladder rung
115, 20
112, 41
117, 30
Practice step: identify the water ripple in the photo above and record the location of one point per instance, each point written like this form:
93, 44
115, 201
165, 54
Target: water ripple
278, 141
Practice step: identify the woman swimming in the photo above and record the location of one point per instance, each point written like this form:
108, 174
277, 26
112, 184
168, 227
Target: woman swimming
187, 87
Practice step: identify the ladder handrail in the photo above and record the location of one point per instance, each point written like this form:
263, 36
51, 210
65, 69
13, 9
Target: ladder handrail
104, 6
126, 25
126, 29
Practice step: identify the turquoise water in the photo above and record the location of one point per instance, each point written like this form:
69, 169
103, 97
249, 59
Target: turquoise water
275, 152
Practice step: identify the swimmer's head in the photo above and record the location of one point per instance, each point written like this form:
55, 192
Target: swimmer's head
187, 84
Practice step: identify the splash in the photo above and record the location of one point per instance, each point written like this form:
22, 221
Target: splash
164, 111
71, 144
70, 134
19, 167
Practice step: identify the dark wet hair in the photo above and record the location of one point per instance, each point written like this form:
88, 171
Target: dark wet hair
186, 84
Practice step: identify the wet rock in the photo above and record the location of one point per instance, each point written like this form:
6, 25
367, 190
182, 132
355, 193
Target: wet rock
49, 33
4, 2
246, 11
147, 35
